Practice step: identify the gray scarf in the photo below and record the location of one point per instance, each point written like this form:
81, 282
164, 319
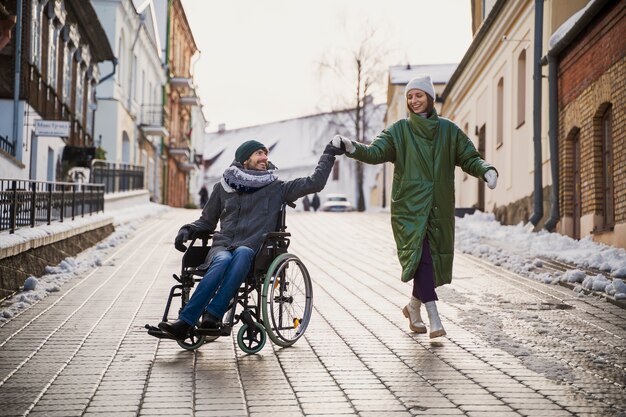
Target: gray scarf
237, 178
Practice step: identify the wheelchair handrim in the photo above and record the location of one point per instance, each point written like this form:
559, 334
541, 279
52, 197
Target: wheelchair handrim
281, 337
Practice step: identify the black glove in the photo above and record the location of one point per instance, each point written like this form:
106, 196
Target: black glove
181, 238
332, 150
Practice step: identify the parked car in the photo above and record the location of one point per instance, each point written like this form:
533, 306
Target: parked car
336, 202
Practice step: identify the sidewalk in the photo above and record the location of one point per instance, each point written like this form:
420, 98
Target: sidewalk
515, 346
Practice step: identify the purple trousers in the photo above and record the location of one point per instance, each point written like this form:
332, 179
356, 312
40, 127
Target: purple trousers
424, 278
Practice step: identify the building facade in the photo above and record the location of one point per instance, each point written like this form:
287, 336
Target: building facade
493, 97
179, 99
589, 63
129, 124
52, 58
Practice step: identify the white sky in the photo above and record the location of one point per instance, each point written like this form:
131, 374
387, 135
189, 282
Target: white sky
258, 57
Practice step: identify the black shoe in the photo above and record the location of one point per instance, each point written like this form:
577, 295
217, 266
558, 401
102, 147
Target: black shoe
179, 330
209, 322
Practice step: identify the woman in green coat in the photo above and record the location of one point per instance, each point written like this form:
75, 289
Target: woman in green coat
425, 149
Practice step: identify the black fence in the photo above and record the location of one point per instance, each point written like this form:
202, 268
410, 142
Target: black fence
7, 146
116, 177
33, 203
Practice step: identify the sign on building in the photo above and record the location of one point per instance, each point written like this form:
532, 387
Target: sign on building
52, 128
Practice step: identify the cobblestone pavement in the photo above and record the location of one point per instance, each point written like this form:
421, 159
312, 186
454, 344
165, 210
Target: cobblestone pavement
515, 347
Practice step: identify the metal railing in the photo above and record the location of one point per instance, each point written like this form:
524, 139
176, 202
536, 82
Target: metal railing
116, 177
7, 146
33, 203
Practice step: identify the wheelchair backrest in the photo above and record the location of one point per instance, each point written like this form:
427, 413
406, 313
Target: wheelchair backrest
274, 243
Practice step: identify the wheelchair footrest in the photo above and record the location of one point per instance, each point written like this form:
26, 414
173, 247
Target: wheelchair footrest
222, 331
156, 332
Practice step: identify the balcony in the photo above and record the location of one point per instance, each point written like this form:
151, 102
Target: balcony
186, 166
189, 101
180, 82
180, 151
152, 121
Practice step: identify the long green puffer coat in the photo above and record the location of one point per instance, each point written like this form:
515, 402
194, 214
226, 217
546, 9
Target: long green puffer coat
424, 152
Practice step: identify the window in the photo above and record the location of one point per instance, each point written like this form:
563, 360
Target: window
134, 81
53, 62
35, 34
606, 133
67, 70
80, 85
91, 100
500, 113
121, 59
521, 88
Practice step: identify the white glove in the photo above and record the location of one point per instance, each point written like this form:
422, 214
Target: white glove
347, 143
491, 177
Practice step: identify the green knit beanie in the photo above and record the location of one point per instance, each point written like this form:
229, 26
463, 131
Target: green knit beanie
246, 149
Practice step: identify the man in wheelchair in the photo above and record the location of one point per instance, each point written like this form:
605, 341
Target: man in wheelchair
246, 203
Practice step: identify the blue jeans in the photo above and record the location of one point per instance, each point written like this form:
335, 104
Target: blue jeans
219, 285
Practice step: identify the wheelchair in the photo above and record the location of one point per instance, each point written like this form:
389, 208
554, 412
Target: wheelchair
275, 300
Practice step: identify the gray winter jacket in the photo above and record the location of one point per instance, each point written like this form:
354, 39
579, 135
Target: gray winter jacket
245, 217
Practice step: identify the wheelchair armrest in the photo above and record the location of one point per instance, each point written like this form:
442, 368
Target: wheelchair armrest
272, 235
200, 234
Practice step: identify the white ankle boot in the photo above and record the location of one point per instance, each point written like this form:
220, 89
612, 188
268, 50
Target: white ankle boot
412, 312
436, 328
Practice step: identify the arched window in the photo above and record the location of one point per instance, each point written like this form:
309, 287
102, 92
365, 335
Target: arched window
500, 112
521, 88
606, 138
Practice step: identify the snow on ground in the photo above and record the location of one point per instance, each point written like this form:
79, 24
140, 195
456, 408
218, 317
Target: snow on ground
36, 288
517, 249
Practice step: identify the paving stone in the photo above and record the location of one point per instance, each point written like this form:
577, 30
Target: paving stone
357, 357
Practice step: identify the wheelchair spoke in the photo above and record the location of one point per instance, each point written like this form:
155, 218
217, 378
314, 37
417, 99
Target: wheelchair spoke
288, 304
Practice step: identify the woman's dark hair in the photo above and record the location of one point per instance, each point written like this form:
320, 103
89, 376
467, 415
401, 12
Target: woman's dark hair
430, 104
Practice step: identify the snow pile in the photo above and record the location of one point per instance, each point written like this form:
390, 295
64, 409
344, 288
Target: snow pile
517, 249
35, 289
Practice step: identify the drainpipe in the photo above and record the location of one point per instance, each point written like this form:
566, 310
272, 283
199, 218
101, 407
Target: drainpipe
103, 79
538, 183
553, 134
17, 140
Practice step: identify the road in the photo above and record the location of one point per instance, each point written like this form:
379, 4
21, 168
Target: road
515, 347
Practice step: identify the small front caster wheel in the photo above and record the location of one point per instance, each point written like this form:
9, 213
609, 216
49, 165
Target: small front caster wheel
251, 339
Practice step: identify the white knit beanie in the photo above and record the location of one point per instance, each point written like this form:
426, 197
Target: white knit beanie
422, 82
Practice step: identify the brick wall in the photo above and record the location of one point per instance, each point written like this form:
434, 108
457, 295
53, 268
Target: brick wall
598, 47
592, 78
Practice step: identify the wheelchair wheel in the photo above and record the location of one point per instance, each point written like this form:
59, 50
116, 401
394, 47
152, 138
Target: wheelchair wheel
193, 342
287, 300
251, 339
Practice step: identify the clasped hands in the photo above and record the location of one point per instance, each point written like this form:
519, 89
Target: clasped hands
339, 145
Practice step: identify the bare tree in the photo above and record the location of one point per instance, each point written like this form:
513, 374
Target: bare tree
362, 66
